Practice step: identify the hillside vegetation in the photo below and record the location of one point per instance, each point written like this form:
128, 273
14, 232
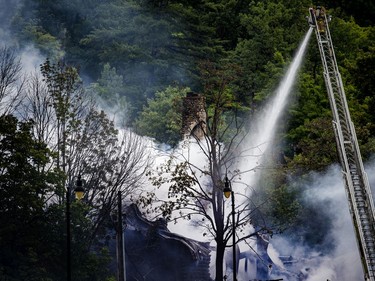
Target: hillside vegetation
149, 46
139, 59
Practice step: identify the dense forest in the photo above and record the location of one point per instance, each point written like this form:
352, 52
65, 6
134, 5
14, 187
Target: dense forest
112, 68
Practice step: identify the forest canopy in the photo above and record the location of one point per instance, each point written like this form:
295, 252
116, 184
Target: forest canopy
138, 59
152, 45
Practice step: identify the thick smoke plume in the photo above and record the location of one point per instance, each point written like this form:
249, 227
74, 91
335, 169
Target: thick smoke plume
335, 255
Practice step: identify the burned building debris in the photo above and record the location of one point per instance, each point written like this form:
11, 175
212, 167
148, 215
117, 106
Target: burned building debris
152, 252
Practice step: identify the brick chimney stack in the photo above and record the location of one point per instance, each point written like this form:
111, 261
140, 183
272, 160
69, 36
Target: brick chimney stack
194, 116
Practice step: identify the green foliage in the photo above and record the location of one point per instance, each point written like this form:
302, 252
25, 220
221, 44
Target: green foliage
284, 206
356, 59
212, 27
181, 191
49, 45
88, 144
272, 35
275, 200
225, 110
317, 148
64, 85
24, 190
161, 118
32, 229
310, 132
66, 97
234, 52
87, 264
110, 85
150, 45
139, 41
361, 10
110, 88
310, 127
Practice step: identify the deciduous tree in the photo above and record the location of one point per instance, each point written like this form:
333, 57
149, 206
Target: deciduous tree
187, 188
24, 192
11, 80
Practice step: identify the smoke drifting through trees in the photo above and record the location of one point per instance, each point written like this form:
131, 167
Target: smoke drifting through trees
329, 222
73, 138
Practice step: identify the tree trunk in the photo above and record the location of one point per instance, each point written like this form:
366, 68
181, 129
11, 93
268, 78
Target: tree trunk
220, 245
220, 249
218, 212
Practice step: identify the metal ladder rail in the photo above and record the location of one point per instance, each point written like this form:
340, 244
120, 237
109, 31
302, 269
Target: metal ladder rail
358, 182
357, 187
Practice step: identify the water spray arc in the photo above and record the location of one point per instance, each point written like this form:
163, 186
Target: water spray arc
265, 128
357, 186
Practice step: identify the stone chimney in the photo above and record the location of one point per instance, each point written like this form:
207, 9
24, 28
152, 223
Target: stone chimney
193, 116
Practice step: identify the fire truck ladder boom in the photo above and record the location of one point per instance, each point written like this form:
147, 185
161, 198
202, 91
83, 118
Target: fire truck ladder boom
361, 204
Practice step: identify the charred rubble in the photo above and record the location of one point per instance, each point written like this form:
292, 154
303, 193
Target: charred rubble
152, 252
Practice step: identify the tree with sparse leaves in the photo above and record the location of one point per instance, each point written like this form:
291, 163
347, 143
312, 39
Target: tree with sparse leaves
88, 144
12, 81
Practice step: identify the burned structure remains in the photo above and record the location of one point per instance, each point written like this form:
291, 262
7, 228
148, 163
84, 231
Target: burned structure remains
152, 252
193, 116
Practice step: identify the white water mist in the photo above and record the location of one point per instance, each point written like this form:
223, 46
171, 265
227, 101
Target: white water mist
261, 135
262, 132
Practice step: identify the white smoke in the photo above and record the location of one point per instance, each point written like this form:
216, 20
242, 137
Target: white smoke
343, 261
189, 151
31, 59
29, 55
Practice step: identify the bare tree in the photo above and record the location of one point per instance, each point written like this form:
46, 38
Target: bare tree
37, 106
11, 80
110, 161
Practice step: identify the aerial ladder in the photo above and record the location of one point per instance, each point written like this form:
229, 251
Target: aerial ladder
361, 204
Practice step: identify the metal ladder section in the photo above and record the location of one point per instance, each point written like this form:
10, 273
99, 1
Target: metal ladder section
357, 186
